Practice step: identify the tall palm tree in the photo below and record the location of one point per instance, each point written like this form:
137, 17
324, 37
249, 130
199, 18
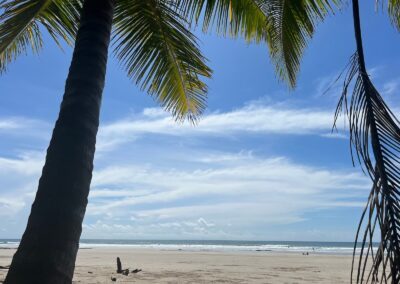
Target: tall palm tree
158, 52
149, 37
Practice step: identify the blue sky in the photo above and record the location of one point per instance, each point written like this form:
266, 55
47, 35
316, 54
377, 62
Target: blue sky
261, 164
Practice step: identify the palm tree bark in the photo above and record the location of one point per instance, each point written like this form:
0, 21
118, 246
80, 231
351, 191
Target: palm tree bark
49, 246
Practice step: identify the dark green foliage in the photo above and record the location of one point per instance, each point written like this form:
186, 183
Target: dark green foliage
161, 55
21, 20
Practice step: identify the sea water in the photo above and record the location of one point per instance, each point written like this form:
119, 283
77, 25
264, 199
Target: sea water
216, 245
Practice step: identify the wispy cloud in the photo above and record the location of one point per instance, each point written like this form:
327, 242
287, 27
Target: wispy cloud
230, 191
21, 123
23, 129
194, 190
252, 119
329, 85
391, 87
27, 164
336, 135
7, 124
18, 178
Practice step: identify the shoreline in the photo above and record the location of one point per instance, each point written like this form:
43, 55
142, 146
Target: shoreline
328, 248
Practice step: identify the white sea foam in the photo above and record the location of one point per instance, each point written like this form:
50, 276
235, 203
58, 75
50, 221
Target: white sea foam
218, 246
233, 248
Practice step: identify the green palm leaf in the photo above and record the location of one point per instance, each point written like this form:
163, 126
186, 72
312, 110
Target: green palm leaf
393, 8
161, 55
394, 12
291, 25
285, 25
234, 18
21, 20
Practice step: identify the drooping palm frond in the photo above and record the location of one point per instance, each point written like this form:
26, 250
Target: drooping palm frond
21, 20
374, 128
290, 26
234, 18
285, 25
393, 8
394, 12
161, 55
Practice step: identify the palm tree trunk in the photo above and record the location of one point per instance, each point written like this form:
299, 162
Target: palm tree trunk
49, 246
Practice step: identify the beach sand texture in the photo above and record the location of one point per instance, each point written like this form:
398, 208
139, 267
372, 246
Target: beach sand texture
98, 265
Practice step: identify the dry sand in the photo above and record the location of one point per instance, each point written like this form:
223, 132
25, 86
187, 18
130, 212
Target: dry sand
98, 265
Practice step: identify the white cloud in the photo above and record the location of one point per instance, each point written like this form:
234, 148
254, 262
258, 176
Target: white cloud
391, 87
194, 190
22, 125
7, 124
9, 206
329, 86
338, 135
208, 193
27, 164
18, 179
225, 193
188, 229
255, 119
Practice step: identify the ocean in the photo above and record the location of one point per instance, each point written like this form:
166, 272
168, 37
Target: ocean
216, 245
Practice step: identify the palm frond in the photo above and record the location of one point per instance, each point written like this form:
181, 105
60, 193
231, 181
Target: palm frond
161, 55
394, 12
285, 25
234, 18
291, 25
21, 20
375, 137
374, 128
393, 8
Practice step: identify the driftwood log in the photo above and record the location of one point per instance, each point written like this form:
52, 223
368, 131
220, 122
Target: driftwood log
119, 265
124, 271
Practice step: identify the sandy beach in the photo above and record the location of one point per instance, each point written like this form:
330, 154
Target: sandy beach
98, 265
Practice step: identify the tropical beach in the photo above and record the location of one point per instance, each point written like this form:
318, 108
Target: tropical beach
98, 265
199, 141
